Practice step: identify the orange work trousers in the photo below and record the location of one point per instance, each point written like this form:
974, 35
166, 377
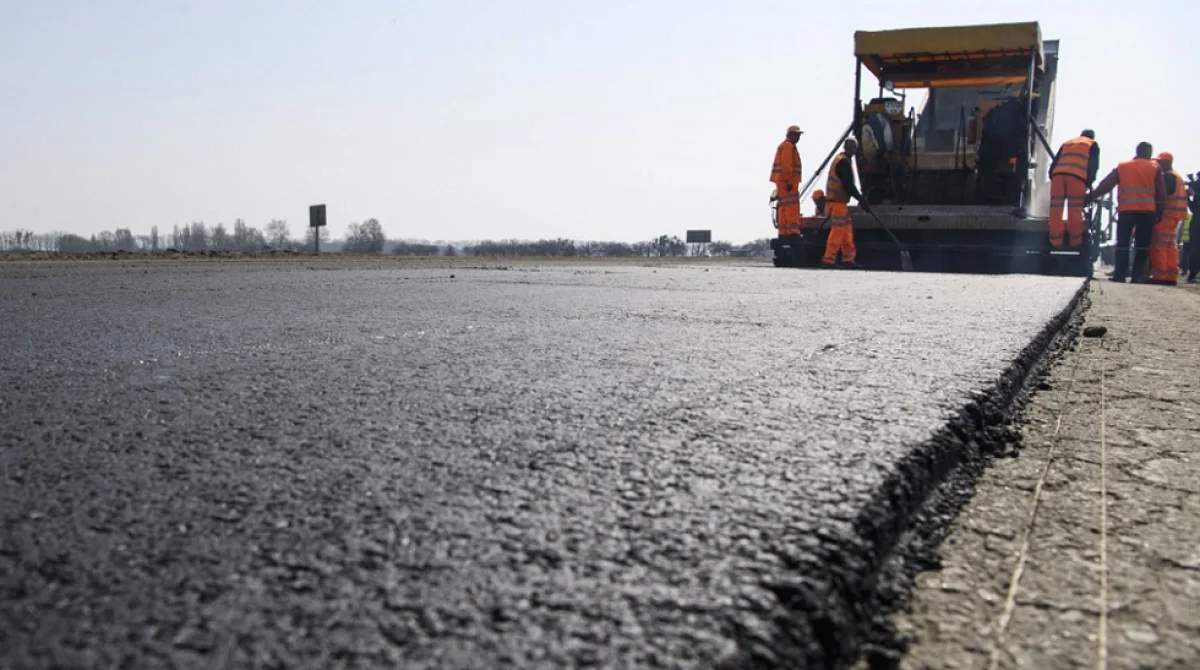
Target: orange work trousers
787, 208
841, 234
1164, 254
1066, 191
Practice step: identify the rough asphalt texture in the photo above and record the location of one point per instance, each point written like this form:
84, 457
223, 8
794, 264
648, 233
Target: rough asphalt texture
1120, 423
304, 465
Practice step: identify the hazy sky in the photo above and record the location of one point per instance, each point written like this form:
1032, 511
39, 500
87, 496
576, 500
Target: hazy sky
465, 120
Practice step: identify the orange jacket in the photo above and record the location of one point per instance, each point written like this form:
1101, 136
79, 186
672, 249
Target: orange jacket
1073, 159
786, 168
1177, 201
1142, 187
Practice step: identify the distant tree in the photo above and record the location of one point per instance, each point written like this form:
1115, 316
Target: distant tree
664, 245
74, 244
757, 248
154, 238
721, 248
241, 234
220, 238
278, 233
352, 237
123, 240
325, 237
618, 249
19, 240
198, 237
450, 250
246, 238
367, 238
402, 248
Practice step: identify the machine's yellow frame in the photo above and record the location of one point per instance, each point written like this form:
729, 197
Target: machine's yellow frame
981, 55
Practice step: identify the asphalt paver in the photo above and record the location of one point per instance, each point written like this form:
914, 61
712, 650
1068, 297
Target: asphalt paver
319, 465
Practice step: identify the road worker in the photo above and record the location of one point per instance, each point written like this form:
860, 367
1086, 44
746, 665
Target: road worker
1164, 254
818, 198
1071, 175
838, 188
1141, 200
785, 174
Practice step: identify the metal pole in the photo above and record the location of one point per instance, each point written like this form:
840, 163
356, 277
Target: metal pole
1025, 183
1042, 137
857, 99
317, 240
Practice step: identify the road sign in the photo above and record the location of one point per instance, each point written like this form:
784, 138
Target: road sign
699, 236
316, 221
316, 216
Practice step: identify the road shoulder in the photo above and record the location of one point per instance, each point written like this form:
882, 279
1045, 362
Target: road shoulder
1035, 571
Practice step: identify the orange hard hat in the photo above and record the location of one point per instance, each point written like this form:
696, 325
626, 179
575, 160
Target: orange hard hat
818, 194
1166, 157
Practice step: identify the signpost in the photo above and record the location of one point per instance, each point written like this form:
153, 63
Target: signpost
316, 221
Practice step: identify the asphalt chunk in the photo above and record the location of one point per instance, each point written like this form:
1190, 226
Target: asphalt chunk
618, 466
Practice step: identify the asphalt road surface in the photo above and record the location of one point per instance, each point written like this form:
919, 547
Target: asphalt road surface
313, 465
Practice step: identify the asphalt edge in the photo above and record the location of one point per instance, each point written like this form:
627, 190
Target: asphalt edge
843, 615
987, 429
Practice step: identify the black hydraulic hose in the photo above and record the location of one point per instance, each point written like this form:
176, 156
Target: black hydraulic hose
1042, 137
813, 178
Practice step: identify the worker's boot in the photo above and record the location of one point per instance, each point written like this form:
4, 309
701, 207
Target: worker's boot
849, 265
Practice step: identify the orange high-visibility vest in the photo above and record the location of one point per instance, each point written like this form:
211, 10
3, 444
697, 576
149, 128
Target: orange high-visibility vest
786, 168
834, 191
1136, 185
1074, 159
1177, 202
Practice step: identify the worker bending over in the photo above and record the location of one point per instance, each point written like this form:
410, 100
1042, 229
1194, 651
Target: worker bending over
1071, 175
818, 198
838, 189
1141, 200
1164, 253
785, 174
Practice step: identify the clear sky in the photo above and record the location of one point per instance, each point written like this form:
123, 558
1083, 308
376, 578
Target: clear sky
614, 120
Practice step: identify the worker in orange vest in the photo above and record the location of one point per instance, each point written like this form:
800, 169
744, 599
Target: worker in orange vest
818, 198
1071, 175
1141, 200
838, 188
785, 174
1164, 251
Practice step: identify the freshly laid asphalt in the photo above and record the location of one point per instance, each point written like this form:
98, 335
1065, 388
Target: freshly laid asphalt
302, 464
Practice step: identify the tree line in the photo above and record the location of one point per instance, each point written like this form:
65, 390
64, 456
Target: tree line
367, 237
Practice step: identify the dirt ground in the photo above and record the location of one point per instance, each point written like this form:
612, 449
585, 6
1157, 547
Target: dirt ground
1084, 550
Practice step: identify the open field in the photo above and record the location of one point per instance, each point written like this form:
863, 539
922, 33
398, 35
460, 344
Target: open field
359, 259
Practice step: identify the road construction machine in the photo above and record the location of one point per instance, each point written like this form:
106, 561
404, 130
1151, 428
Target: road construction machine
962, 185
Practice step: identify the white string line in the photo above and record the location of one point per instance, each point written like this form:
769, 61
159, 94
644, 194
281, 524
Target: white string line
1102, 652
1010, 600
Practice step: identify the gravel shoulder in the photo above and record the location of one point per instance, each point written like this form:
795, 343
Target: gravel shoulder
1084, 550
